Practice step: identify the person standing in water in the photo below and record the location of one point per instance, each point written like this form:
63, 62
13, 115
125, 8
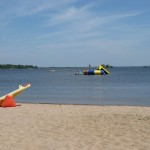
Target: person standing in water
90, 66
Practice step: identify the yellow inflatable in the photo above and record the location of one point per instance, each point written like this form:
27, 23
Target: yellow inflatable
99, 71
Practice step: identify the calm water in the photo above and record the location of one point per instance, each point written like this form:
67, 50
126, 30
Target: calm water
124, 86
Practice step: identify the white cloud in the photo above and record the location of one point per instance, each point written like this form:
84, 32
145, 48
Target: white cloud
19, 8
80, 24
64, 26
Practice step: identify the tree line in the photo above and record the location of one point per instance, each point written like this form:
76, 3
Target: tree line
107, 66
11, 66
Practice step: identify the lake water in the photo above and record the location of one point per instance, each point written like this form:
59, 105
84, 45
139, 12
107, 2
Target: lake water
123, 86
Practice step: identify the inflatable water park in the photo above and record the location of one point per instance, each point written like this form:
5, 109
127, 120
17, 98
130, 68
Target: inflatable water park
8, 101
99, 71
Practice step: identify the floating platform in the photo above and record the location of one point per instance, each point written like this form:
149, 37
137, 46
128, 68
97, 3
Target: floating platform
99, 71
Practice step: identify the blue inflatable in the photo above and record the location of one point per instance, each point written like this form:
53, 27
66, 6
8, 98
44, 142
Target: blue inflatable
99, 71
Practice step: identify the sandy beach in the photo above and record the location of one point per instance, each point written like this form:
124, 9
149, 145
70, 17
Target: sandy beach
74, 127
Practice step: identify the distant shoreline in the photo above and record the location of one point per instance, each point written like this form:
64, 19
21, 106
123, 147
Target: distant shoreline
11, 66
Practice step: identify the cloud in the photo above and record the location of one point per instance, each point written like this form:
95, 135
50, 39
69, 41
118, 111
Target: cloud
21, 8
53, 27
79, 23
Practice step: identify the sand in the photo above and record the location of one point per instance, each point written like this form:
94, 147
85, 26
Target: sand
74, 127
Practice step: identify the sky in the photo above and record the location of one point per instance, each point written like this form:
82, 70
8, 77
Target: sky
74, 33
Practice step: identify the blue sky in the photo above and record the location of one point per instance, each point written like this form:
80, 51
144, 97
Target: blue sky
75, 32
